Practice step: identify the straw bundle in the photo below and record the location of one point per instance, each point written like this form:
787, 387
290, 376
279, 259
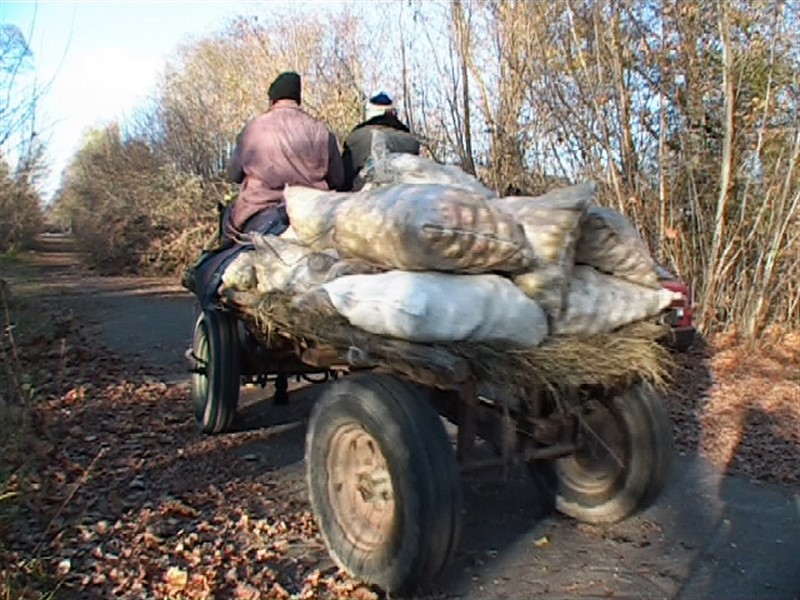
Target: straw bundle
563, 363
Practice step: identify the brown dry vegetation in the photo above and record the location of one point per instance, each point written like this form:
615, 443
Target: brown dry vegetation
19, 204
685, 113
739, 406
752, 422
106, 489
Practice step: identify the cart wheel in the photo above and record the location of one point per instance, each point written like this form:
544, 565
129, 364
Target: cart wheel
383, 481
216, 380
622, 462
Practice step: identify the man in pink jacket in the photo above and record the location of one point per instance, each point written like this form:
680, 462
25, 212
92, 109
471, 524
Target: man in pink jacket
284, 146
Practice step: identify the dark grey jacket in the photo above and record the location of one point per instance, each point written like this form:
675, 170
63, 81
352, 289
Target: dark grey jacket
358, 145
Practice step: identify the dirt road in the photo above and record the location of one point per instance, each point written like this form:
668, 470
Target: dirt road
228, 515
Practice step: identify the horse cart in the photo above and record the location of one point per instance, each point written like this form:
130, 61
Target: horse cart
382, 472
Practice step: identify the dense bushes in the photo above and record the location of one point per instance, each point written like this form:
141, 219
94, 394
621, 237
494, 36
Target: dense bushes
127, 209
20, 210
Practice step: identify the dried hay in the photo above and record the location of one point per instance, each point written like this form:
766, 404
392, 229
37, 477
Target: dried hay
563, 363
607, 360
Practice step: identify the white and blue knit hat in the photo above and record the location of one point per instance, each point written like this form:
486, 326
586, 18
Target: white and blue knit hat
378, 105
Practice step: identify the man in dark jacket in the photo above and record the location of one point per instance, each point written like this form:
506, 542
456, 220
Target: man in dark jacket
284, 146
380, 115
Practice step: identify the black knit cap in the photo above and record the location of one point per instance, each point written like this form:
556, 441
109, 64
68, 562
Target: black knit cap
286, 85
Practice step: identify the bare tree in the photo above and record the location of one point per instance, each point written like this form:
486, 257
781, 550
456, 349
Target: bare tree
16, 106
19, 200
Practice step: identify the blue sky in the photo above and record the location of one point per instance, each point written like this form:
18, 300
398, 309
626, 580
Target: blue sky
103, 58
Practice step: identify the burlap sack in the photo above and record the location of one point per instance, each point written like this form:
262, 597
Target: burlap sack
611, 244
547, 285
276, 264
351, 266
381, 142
552, 225
396, 168
240, 275
439, 307
598, 303
289, 234
414, 227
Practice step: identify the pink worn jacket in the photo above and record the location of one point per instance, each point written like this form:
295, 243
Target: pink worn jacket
284, 146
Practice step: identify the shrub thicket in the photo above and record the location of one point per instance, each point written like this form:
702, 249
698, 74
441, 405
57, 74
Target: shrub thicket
20, 210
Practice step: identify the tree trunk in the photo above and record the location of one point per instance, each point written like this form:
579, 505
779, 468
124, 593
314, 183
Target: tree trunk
726, 165
462, 27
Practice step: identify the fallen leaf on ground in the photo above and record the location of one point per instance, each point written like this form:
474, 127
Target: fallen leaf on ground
176, 579
246, 592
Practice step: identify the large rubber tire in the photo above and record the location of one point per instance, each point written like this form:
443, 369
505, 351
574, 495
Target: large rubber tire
622, 464
383, 481
217, 377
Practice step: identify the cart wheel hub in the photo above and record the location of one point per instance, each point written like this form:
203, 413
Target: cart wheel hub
360, 487
601, 457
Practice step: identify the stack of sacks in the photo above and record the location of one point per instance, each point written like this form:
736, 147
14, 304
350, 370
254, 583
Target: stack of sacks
440, 252
395, 168
426, 253
282, 265
414, 227
552, 226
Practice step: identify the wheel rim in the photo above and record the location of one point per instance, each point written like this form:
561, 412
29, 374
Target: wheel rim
360, 488
598, 465
200, 376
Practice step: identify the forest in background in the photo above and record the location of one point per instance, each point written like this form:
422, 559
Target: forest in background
685, 114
